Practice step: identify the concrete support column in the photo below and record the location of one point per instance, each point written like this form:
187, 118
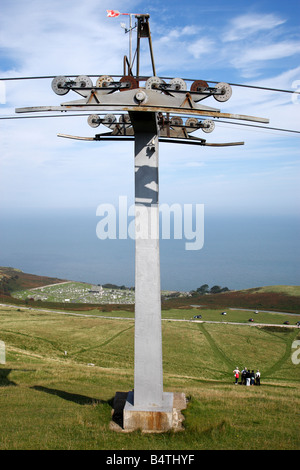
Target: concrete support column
148, 380
147, 407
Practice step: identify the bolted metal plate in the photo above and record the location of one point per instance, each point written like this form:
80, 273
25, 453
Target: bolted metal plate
177, 84
104, 81
109, 120
59, 82
124, 118
83, 81
198, 85
129, 82
153, 83
191, 124
176, 121
208, 126
226, 91
94, 120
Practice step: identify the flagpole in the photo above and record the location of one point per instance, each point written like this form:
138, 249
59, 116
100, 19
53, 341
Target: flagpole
130, 40
115, 14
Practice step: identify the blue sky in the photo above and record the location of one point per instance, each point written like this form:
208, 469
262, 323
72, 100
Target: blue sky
253, 42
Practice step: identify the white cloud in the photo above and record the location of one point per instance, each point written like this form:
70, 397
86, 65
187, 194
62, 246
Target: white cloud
58, 39
54, 38
277, 50
176, 33
257, 41
201, 47
243, 26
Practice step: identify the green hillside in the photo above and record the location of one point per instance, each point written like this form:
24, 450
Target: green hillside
12, 279
286, 290
256, 299
274, 298
62, 372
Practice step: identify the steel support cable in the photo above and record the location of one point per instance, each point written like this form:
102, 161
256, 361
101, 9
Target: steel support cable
164, 78
88, 114
261, 127
187, 79
257, 87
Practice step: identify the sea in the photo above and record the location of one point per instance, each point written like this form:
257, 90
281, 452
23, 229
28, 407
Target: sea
238, 252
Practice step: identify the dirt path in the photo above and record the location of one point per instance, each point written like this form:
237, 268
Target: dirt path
50, 285
163, 319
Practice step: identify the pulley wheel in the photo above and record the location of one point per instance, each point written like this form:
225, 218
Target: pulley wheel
226, 91
191, 124
59, 82
83, 81
153, 83
104, 81
177, 84
94, 120
198, 85
109, 119
130, 81
124, 119
176, 121
209, 126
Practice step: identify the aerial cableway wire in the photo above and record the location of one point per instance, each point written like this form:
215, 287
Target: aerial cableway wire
87, 114
165, 78
187, 79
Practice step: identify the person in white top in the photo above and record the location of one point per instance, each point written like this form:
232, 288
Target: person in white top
236, 375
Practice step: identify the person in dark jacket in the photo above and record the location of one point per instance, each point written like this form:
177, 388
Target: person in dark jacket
248, 376
243, 376
257, 377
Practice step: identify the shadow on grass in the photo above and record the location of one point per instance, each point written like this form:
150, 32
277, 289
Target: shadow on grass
4, 380
117, 403
74, 397
4, 373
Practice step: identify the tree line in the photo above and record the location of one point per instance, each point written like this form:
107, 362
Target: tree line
204, 289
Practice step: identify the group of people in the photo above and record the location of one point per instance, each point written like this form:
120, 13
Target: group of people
247, 377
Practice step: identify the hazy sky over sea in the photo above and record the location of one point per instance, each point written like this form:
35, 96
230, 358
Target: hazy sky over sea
253, 43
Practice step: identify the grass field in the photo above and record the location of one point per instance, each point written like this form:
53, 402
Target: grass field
62, 372
287, 290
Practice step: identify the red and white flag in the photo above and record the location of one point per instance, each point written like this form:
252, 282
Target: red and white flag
113, 13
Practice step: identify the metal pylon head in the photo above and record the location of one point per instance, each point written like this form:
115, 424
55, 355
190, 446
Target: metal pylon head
178, 104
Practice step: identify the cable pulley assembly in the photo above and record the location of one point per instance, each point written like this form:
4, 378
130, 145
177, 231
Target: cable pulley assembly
59, 85
179, 105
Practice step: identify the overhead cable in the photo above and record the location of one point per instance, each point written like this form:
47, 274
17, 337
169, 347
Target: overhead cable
87, 114
166, 78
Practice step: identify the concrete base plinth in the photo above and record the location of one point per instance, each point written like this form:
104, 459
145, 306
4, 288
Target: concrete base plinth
126, 417
150, 418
